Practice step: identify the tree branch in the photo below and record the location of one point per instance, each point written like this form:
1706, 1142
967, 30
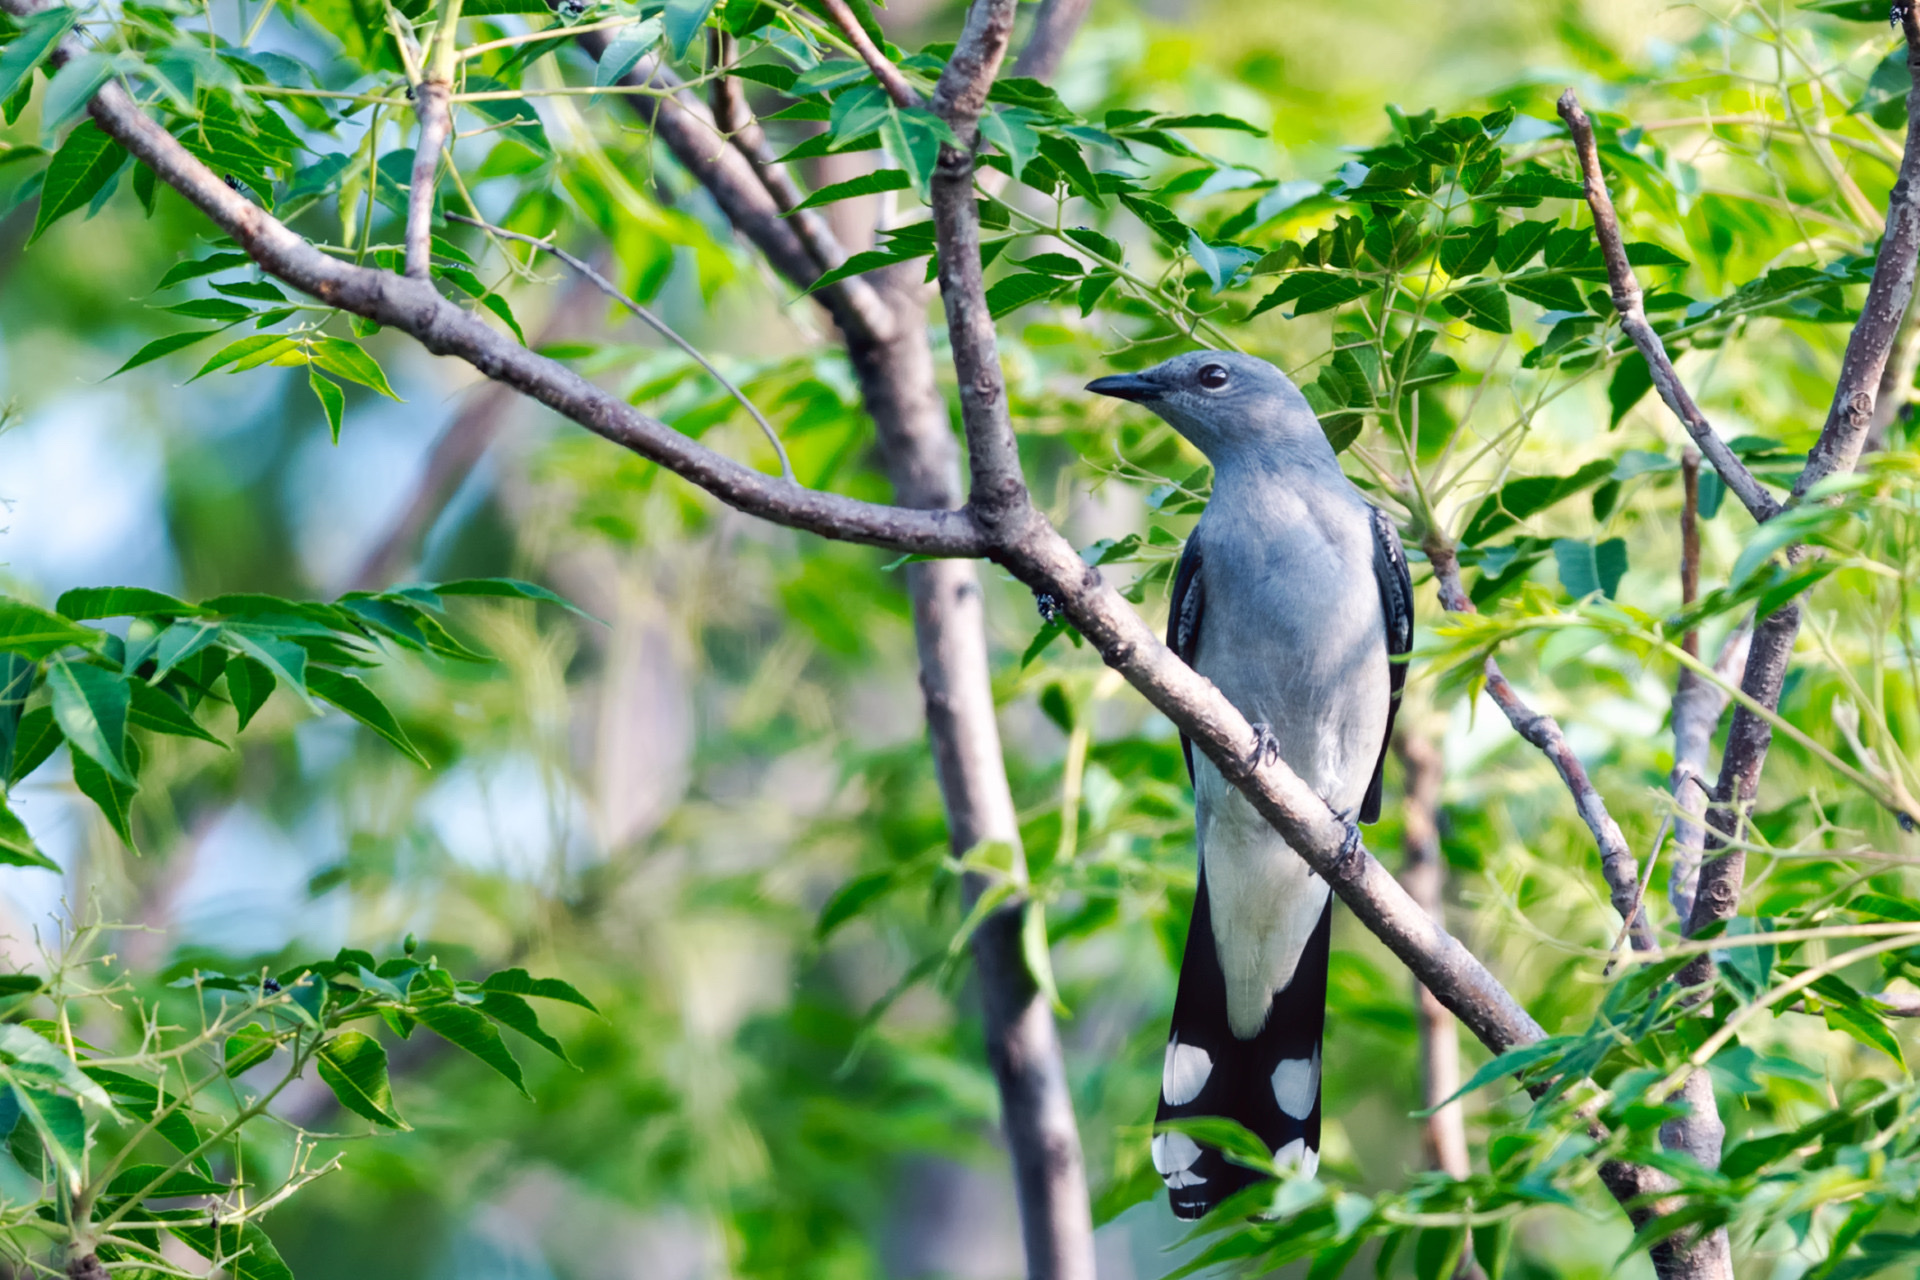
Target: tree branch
891, 78
1618, 865
1633, 318
1838, 449
1054, 26
1444, 1133
431, 103
1030, 548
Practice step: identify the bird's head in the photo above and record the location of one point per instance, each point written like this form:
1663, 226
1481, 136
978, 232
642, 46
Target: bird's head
1232, 407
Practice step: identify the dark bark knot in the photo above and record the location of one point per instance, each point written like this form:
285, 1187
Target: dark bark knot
86, 1267
1860, 407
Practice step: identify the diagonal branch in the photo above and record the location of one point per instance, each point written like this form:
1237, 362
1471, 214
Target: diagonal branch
891, 78
1028, 547
1618, 866
1627, 300
1838, 449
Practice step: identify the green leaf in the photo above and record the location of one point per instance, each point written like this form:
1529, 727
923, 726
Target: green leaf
1521, 498
1554, 290
1866, 1027
153, 1181
247, 353
16, 845
121, 602
165, 346
520, 983
70, 90
624, 51
179, 642
224, 311
33, 1055
349, 360
353, 697
469, 1029
508, 589
194, 268
243, 1250
30, 48
682, 21
1537, 184
114, 797
1512, 1062
1519, 243
1010, 293
33, 741
1631, 381
1468, 251
1883, 907
333, 401
1038, 956
249, 684
248, 1047
867, 184
285, 659
60, 1125
91, 705
354, 1066
512, 1011
1209, 120
158, 712
1484, 306
1586, 568
1229, 1137
33, 633
851, 899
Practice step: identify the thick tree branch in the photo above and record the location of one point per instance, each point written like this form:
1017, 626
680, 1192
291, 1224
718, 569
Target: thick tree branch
1617, 863
1627, 301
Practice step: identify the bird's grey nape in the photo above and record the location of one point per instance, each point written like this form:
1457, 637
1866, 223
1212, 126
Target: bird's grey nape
1235, 408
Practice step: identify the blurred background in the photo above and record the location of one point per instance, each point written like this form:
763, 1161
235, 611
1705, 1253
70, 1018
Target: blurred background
660, 806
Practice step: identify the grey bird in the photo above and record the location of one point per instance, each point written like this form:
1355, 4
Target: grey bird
1293, 597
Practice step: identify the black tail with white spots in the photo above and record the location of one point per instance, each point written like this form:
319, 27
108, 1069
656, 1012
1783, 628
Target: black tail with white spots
1270, 1083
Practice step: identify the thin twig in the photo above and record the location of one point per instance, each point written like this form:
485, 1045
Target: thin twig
659, 326
1627, 300
891, 78
1617, 864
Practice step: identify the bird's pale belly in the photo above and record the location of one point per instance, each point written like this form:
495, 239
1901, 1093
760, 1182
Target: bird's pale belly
1327, 718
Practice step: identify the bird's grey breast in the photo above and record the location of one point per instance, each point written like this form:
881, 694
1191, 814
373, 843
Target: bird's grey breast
1293, 633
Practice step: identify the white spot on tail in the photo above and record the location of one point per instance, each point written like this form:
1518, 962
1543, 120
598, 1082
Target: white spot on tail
1173, 1155
1298, 1156
1185, 1073
1296, 1084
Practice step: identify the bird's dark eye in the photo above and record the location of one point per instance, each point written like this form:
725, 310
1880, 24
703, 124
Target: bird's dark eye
1213, 376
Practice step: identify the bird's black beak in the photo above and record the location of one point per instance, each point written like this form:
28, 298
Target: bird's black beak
1126, 386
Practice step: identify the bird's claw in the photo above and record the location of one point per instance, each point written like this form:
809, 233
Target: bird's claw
1266, 747
1049, 606
1350, 849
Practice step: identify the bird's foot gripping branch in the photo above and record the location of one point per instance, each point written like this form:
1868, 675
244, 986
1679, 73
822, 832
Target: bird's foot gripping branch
1430, 258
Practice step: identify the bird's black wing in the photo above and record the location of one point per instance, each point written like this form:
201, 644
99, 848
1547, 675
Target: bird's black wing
1396, 606
1183, 622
